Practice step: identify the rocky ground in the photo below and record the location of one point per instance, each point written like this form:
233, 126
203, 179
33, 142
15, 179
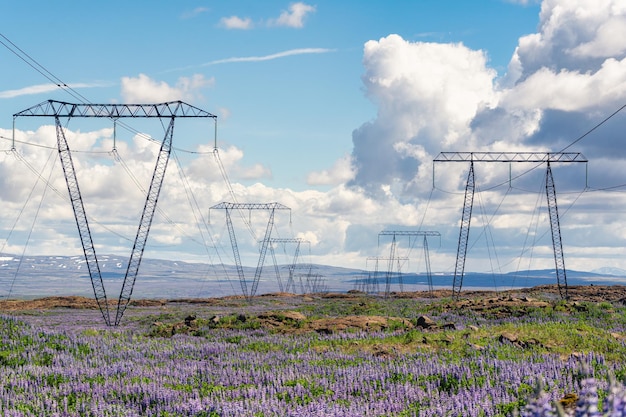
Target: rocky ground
277, 310
469, 299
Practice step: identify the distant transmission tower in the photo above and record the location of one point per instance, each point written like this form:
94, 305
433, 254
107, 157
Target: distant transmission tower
536, 157
392, 254
292, 266
372, 284
228, 208
58, 110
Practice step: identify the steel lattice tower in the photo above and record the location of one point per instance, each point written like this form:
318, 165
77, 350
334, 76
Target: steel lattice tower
169, 110
292, 265
394, 258
535, 157
228, 207
371, 284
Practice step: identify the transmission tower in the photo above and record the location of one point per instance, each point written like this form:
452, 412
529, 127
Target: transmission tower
310, 282
372, 283
228, 207
58, 110
392, 250
534, 157
292, 265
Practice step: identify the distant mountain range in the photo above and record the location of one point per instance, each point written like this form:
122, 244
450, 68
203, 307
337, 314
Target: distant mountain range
38, 276
608, 270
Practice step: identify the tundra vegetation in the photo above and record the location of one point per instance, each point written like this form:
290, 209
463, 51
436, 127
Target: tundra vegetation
523, 352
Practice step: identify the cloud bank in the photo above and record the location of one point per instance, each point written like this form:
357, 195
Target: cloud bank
430, 97
560, 83
143, 89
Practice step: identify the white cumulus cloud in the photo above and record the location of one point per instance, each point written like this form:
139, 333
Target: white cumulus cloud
340, 173
294, 17
236, 22
427, 94
143, 89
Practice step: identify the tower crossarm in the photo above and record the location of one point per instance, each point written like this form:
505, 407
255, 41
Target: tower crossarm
409, 233
287, 240
510, 157
305, 266
386, 258
394, 233
249, 206
115, 111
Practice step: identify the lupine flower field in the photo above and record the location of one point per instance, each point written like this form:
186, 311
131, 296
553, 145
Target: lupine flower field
496, 354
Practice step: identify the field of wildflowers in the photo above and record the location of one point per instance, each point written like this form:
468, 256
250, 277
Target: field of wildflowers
272, 357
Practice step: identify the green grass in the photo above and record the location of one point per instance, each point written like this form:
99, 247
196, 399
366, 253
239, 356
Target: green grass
557, 328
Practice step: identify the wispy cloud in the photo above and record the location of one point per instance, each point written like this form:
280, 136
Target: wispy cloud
283, 54
524, 2
291, 52
43, 88
195, 12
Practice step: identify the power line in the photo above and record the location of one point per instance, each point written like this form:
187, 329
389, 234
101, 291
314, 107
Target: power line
41, 69
611, 188
31, 62
594, 128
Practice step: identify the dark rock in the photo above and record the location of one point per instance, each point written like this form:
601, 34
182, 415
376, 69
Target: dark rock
191, 321
425, 322
508, 337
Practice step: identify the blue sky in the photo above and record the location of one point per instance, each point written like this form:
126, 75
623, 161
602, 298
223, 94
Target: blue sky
335, 109
285, 89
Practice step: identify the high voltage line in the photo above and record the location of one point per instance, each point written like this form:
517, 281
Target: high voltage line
58, 82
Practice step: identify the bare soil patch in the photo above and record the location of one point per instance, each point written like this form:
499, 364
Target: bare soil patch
475, 300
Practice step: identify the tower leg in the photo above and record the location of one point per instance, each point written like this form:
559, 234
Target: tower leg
276, 268
427, 262
233, 242
264, 243
292, 267
459, 268
81, 221
392, 254
144, 224
557, 244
